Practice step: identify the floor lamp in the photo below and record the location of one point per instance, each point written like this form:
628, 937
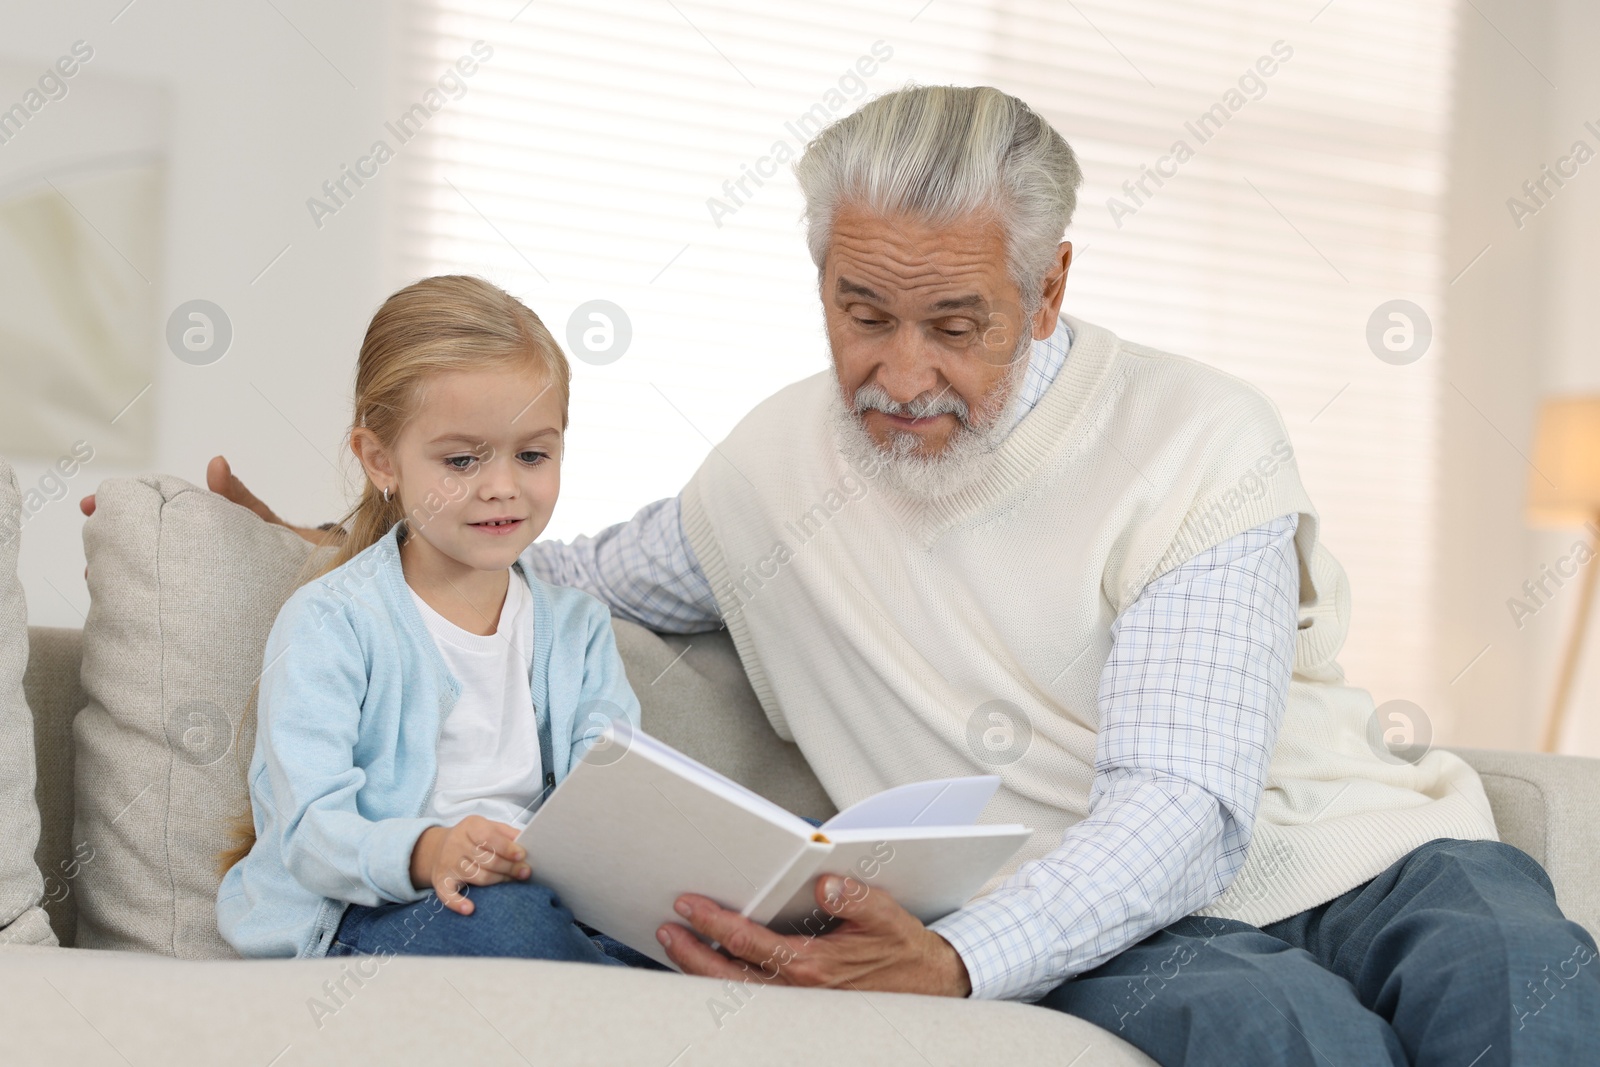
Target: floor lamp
1564, 490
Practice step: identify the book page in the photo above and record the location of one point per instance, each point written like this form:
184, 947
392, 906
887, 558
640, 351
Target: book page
630, 828
929, 871
941, 802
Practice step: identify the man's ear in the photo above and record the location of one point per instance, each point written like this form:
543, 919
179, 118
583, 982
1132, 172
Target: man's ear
1055, 284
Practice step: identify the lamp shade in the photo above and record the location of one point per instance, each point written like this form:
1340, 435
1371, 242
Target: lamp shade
1564, 487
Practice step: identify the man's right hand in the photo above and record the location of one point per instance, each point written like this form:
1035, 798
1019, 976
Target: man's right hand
221, 480
476, 851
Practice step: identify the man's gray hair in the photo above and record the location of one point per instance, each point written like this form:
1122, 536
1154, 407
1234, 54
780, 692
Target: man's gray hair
942, 152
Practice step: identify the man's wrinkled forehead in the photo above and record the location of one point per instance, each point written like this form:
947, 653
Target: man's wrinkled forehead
903, 261
931, 301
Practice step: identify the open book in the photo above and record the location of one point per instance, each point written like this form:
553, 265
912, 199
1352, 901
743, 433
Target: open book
636, 823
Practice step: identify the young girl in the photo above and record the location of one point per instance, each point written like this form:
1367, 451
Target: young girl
424, 690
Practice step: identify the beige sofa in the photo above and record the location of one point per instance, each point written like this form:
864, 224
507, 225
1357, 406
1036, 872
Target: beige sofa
130, 806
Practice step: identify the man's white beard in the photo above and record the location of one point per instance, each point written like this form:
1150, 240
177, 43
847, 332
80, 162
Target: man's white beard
978, 433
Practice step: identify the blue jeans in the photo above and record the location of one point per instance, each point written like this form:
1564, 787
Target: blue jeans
1457, 954
508, 919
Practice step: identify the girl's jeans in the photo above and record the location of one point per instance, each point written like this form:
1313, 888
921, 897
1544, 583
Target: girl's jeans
508, 919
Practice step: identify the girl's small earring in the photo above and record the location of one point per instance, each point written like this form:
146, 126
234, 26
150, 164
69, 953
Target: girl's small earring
386, 494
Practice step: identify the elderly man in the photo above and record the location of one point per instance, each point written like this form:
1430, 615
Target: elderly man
996, 538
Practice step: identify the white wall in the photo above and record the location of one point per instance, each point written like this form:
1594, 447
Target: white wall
1571, 287
1521, 325
258, 121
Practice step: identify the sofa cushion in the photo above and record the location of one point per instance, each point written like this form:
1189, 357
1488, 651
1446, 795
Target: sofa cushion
69, 1006
184, 587
55, 696
22, 886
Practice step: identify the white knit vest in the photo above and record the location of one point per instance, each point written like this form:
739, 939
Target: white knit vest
874, 626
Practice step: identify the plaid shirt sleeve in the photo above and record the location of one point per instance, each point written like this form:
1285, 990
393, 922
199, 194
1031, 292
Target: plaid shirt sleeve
643, 569
1190, 699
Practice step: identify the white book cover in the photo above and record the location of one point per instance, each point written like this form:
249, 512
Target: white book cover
637, 823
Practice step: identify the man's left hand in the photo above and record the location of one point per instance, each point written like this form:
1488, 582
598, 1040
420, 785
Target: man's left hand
878, 945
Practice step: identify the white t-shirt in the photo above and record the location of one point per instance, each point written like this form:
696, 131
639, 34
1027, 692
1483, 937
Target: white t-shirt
489, 743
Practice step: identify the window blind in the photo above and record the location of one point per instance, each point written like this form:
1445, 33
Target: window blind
598, 155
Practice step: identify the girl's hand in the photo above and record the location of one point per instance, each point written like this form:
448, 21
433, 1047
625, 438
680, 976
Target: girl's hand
475, 850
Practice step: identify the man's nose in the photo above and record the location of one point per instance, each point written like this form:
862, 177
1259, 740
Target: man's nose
908, 369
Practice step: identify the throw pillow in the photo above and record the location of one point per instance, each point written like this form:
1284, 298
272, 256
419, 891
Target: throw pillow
22, 919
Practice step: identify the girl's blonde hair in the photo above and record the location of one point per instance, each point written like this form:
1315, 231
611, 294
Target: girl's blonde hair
451, 322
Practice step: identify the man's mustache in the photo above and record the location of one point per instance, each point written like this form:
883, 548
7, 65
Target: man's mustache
874, 397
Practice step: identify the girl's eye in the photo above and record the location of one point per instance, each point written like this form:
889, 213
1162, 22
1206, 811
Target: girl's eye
533, 458
459, 463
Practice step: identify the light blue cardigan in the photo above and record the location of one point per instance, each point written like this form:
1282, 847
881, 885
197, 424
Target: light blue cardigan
352, 697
